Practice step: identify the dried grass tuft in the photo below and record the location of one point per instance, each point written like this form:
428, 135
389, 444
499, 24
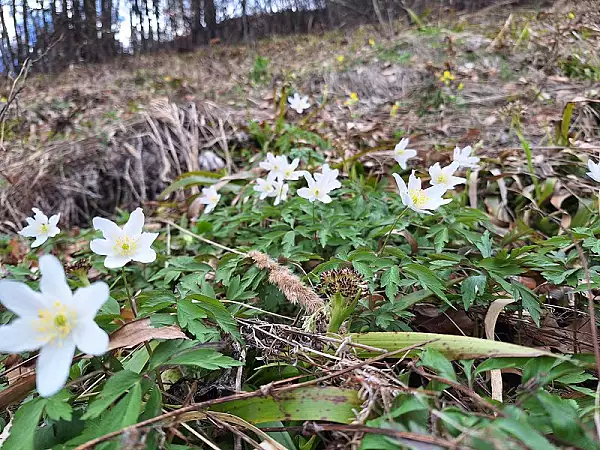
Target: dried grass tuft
291, 286
124, 167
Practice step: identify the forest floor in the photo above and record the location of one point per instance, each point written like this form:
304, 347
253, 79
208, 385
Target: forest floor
514, 257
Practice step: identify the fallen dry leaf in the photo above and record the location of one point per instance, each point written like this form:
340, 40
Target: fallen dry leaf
490, 325
17, 391
138, 331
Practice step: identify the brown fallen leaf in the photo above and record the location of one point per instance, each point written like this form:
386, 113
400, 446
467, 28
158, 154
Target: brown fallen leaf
17, 391
138, 331
490, 325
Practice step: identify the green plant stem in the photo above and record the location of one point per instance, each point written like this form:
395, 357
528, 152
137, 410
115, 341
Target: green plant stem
134, 312
387, 236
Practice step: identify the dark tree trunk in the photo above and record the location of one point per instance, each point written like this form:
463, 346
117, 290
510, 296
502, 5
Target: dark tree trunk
26, 36
17, 33
9, 49
210, 17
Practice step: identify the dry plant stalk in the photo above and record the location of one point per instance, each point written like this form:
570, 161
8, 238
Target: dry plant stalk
288, 283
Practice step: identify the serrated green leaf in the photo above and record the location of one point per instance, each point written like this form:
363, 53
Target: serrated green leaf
390, 279
427, 279
116, 386
436, 361
471, 288
205, 358
25, 422
57, 407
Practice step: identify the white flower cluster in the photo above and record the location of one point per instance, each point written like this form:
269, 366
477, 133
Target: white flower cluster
442, 178
55, 320
280, 171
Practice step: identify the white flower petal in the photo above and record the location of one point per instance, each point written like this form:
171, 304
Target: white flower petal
39, 216
414, 183
53, 366
102, 247
53, 282
325, 199
90, 338
39, 240
20, 298
146, 255
109, 229
54, 219
116, 261
29, 231
19, 336
146, 239
88, 300
305, 193
133, 227
400, 183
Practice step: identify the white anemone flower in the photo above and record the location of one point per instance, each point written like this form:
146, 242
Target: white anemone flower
417, 199
316, 190
328, 177
464, 159
210, 197
280, 169
445, 176
594, 172
265, 187
281, 192
403, 154
121, 245
55, 321
298, 103
40, 227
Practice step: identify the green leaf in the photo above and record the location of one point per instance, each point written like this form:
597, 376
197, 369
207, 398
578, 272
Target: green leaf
218, 312
25, 422
485, 244
390, 279
125, 413
427, 279
57, 407
436, 361
330, 404
190, 179
452, 347
116, 386
205, 358
472, 287
524, 432
529, 300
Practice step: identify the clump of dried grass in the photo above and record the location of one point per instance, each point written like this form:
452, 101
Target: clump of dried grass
124, 167
288, 283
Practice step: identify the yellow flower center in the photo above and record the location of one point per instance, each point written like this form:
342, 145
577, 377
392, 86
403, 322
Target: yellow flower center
316, 191
55, 323
125, 246
44, 228
442, 178
418, 197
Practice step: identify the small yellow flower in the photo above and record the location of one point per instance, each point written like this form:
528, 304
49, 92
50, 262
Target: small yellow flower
447, 77
460, 86
571, 15
340, 58
372, 42
394, 109
354, 96
167, 78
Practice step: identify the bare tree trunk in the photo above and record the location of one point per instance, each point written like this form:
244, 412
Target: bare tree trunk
26, 36
245, 20
91, 49
17, 34
210, 17
7, 43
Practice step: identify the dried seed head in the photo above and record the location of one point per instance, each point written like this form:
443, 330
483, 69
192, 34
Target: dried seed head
347, 282
83, 265
288, 283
